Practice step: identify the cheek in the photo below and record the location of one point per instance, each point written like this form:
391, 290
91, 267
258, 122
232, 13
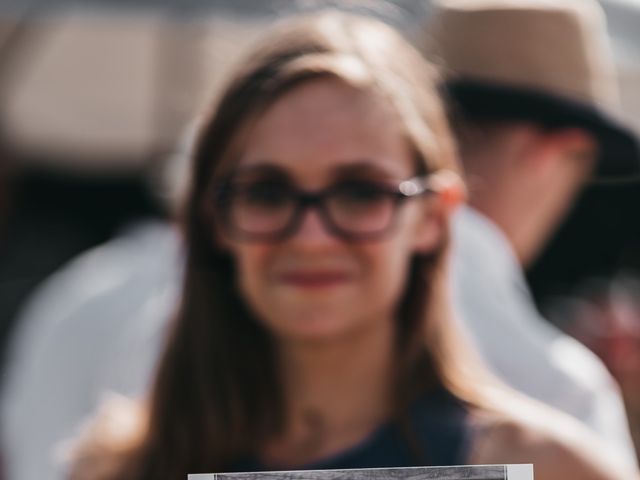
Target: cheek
389, 262
252, 266
393, 257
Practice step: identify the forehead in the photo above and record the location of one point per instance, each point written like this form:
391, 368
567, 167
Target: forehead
325, 125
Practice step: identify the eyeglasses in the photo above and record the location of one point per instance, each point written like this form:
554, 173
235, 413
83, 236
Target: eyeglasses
272, 210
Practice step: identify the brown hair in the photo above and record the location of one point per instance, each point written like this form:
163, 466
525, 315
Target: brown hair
217, 393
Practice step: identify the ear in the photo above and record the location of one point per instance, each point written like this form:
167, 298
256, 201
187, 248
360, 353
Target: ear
437, 208
563, 144
449, 188
574, 140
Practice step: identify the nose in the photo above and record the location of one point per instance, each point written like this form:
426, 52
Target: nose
312, 230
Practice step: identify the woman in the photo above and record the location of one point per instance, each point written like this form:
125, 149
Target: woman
315, 328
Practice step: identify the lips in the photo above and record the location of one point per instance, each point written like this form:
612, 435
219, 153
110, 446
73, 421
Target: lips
314, 279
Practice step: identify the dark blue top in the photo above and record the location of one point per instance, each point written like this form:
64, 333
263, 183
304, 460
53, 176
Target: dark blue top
440, 426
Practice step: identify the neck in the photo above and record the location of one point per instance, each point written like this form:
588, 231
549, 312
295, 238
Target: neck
336, 393
526, 227
526, 181
526, 211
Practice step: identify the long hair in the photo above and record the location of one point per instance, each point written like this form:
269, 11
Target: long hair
217, 395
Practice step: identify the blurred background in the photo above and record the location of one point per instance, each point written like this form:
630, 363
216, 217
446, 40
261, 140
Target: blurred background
96, 102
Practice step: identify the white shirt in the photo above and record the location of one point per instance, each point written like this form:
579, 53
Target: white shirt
95, 327
519, 345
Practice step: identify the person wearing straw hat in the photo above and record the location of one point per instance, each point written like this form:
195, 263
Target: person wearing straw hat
533, 98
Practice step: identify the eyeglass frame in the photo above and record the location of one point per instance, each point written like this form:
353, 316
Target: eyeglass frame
407, 189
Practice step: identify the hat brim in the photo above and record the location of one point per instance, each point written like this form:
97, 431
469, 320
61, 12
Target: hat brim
619, 151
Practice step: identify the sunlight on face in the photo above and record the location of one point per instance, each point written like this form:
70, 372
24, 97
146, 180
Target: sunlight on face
314, 285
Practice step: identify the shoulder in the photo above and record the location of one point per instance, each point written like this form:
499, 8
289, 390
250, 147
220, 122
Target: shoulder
442, 416
110, 444
478, 240
557, 445
580, 364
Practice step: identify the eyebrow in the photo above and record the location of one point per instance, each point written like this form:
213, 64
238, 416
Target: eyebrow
358, 169
365, 169
262, 169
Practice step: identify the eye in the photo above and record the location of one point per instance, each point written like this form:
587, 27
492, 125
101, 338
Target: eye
360, 193
265, 194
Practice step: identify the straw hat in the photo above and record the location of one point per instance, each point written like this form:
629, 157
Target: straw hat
539, 60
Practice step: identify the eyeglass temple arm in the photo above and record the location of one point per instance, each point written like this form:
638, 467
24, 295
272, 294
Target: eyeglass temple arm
434, 182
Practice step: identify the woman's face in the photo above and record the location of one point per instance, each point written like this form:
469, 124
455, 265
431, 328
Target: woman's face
314, 284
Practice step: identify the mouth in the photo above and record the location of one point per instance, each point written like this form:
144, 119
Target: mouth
314, 279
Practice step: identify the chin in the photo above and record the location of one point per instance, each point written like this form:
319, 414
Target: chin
317, 326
